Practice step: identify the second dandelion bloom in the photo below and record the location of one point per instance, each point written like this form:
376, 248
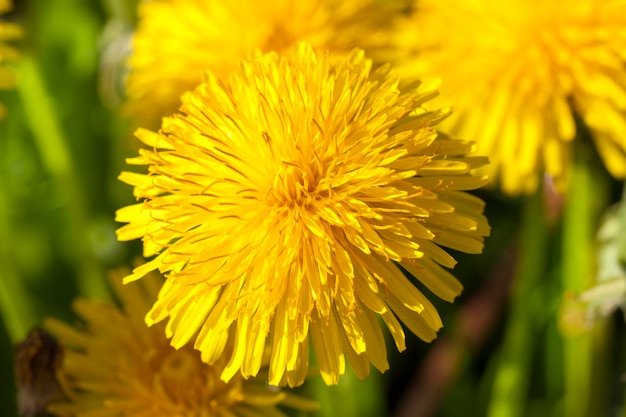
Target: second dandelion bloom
520, 72
113, 365
178, 40
290, 202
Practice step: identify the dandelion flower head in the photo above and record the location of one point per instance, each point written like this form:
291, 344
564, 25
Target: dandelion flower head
285, 203
520, 73
116, 366
178, 40
8, 32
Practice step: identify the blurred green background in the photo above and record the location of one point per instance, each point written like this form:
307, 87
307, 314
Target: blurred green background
501, 352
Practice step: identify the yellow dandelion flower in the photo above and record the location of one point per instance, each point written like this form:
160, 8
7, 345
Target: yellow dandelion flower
521, 72
8, 32
178, 40
285, 203
116, 366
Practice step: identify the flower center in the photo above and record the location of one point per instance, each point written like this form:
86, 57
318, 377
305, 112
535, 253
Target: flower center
295, 185
180, 365
189, 382
279, 39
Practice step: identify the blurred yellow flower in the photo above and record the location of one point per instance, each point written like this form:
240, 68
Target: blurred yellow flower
8, 32
116, 366
178, 40
286, 201
520, 73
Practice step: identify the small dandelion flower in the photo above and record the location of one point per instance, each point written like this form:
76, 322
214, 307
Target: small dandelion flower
8, 32
116, 366
287, 202
520, 72
178, 40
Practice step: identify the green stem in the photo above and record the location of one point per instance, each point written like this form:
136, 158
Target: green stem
586, 197
56, 158
17, 310
511, 381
